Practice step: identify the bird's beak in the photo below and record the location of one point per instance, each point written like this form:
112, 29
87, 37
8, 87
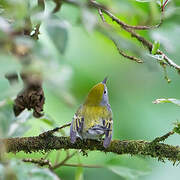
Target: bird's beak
105, 80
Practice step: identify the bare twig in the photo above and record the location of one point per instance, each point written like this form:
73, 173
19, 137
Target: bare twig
58, 6
83, 165
118, 21
169, 61
121, 52
40, 162
101, 15
128, 28
163, 6
50, 132
36, 33
163, 138
165, 71
57, 157
133, 58
63, 162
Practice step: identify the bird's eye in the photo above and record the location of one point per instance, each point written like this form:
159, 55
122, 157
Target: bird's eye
104, 91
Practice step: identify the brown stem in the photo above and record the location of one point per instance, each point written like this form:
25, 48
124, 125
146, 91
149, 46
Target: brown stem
83, 165
163, 138
50, 132
63, 162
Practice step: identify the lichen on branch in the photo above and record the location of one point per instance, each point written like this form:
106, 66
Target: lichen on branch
133, 147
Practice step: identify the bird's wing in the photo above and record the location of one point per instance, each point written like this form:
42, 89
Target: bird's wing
76, 125
108, 131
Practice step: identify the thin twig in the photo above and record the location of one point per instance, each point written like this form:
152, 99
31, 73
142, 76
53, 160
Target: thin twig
83, 165
163, 6
35, 35
121, 52
169, 61
40, 162
58, 6
163, 138
129, 28
118, 21
57, 157
63, 162
50, 132
141, 39
101, 15
133, 58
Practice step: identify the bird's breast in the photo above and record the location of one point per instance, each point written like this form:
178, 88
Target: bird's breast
93, 115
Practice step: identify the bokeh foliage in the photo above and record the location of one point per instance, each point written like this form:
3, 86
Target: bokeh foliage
73, 53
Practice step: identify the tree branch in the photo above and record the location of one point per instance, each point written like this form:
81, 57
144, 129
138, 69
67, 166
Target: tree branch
102, 9
96, 5
51, 142
64, 161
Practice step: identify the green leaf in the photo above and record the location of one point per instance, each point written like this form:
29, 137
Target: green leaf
19, 126
126, 172
89, 19
79, 174
177, 127
4, 25
156, 45
169, 100
48, 120
26, 171
8, 63
58, 33
10, 125
128, 167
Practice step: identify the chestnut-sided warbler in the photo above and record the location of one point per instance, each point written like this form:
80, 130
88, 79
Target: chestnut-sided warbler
93, 119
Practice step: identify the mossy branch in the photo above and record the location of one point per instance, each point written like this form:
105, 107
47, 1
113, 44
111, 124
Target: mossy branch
133, 147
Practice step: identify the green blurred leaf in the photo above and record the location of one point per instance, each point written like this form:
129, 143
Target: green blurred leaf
26, 171
19, 126
58, 82
8, 63
168, 37
89, 19
79, 174
10, 125
169, 100
128, 167
156, 45
48, 120
126, 172
176, 129
6, 119
58, 33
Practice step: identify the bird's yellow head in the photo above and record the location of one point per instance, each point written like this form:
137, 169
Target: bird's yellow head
98, 95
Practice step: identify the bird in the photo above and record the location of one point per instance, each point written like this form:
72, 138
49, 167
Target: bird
93, 119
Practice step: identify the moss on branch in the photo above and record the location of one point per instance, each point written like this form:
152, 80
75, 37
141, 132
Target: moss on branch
46, 143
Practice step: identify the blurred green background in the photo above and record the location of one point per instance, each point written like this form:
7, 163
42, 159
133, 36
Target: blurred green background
73, 55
